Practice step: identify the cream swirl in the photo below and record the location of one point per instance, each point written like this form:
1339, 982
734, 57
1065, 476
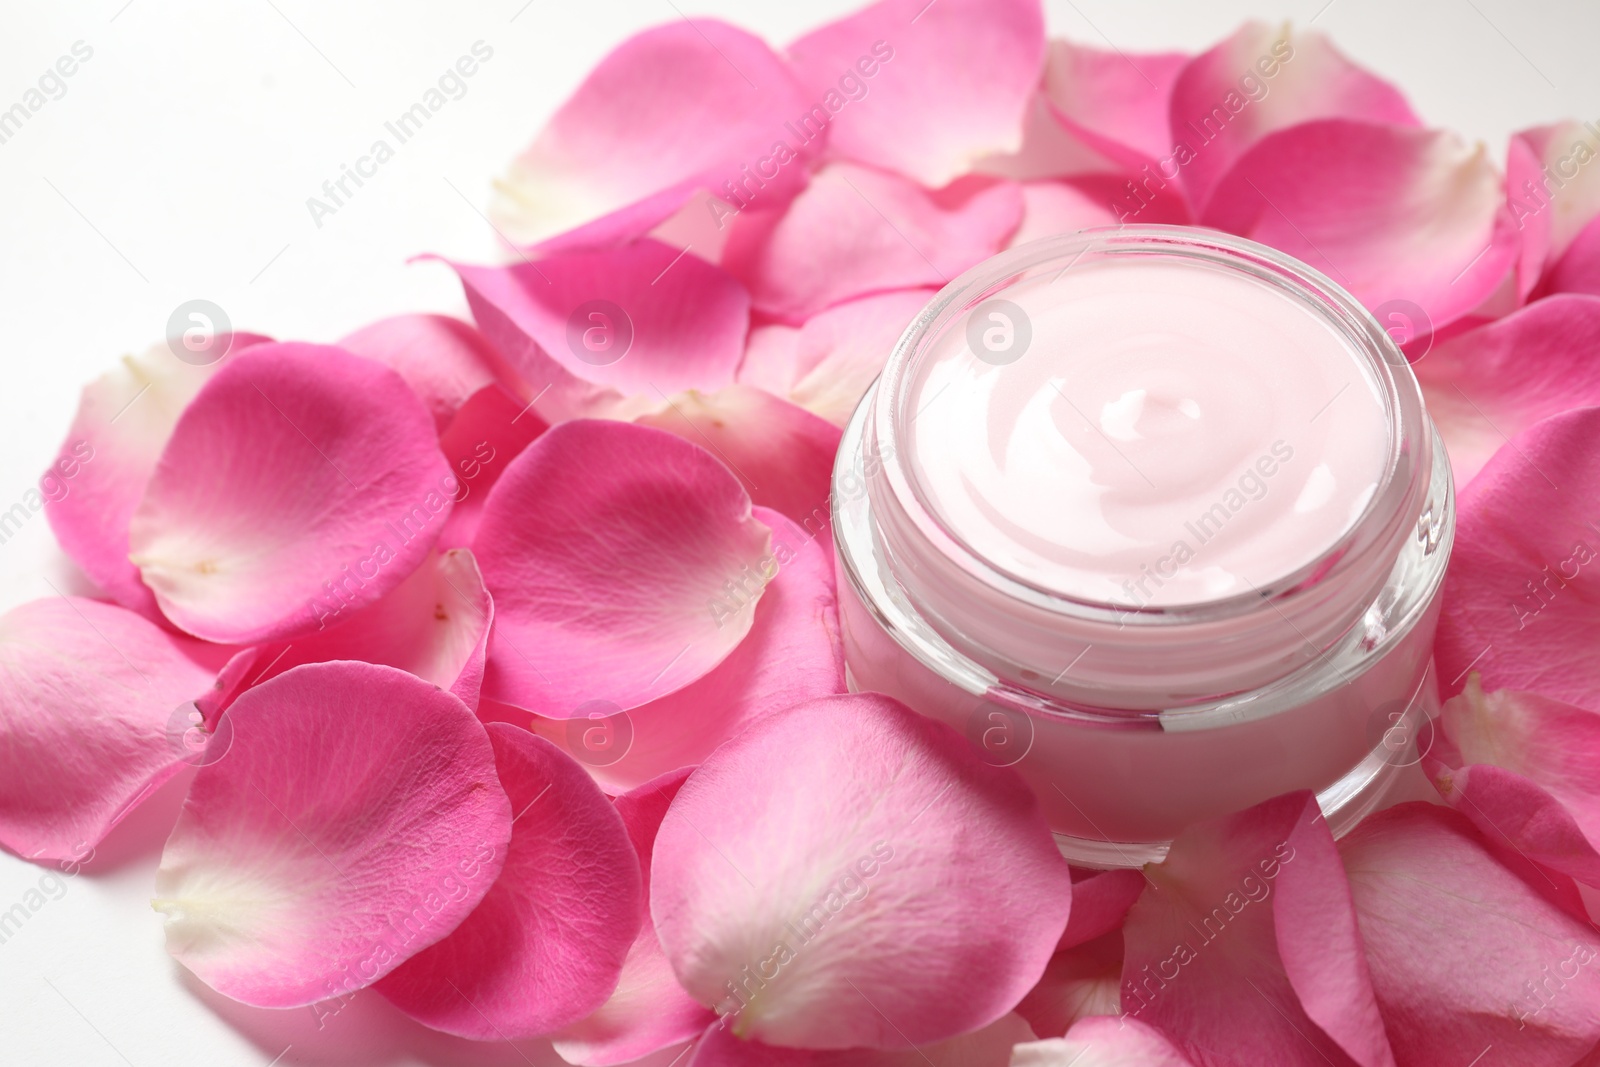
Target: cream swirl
1146, 431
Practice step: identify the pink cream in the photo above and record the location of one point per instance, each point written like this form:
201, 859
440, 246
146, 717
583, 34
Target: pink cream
1153, 445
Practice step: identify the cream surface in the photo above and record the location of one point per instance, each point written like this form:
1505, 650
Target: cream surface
1158, 432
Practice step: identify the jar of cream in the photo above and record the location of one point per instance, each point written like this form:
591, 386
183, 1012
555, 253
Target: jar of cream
1156, 516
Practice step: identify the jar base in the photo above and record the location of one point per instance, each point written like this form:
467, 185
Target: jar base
1374, 783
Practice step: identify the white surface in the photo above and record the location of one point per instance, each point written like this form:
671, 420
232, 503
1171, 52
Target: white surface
177, 165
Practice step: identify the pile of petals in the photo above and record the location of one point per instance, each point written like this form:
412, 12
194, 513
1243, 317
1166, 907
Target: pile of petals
500, 660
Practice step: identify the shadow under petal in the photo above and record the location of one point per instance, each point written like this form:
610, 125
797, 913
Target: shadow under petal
361, 1028
142, 834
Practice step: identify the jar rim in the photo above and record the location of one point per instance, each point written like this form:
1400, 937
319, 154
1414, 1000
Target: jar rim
1375, 530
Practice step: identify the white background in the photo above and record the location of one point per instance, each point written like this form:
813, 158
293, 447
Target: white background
177, 165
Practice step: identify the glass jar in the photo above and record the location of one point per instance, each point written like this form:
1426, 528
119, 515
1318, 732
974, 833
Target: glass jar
1132, 718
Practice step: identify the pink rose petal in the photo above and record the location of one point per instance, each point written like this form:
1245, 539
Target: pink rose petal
1114, 102
1099, 119
692, 104
1552, 191
299, 476
1081, 982
92, 719
435, 625
857, 231
613, 332
1458, 947
1523, 169
1578, 270
1050, 208
791, 654
1389, 212
782, 453
1247, 951
1491, 383
1522, 597
607, 548
1147, 199
1526, 770
1527, 198
1263, 79
642, 810
444, 360
827, 365
821, 874
1530, 830
649, 1010
1100, 903
1102, 1041
940, 85
91, 491
1553, 885
989, 1047
546, 945
703, 223
354, 820
1048, 150
491, 429
719, 1046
